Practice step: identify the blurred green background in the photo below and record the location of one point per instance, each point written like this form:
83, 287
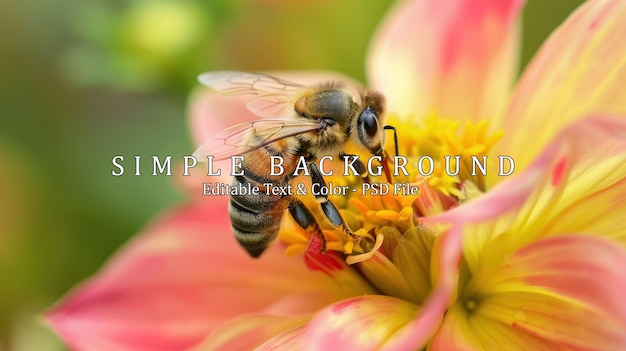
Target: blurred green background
83, 81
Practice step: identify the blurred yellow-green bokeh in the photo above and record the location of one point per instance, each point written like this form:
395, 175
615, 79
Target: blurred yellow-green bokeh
83, 81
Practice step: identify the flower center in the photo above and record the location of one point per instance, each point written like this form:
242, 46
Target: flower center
470, 305
392, 249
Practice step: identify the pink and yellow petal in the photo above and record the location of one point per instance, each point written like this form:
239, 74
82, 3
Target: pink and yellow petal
374, 322
492, 214
456, 58
445, 265
586, 192
288, 340
460, 332
411, 253
359, 323
386, 276
580, 69
182, 278
599, 212
249, 332
575, 185
558, 293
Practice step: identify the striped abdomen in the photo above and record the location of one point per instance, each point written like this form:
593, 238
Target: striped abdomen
255, 219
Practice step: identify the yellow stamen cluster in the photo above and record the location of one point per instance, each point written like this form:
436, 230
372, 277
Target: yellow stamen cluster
375, 211
440, 137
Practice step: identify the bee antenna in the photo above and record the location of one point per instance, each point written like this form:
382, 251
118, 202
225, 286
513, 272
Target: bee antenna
395, 136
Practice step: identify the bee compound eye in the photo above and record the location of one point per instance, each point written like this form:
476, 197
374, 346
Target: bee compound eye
368, 122
329, 122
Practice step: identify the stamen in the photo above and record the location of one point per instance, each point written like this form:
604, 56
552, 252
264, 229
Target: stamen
440, 137
365, 256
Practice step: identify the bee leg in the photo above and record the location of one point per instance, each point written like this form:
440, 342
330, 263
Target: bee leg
305, 220
330, 211
357, 165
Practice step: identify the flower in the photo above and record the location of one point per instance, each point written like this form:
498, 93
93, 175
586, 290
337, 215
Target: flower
533, 261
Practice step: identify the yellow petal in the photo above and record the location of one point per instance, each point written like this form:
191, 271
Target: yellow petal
557, 293
580, 189
586, 192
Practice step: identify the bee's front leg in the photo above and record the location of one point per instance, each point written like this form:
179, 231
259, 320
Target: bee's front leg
328, 208
305, 220
357, 165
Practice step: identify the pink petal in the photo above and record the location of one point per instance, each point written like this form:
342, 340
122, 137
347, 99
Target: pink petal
359, 323
178, 281
453, 334
374, 322
458, 58
211, 112
586, 268
446, 258
581, 69
252, 331
559, 293
288, 340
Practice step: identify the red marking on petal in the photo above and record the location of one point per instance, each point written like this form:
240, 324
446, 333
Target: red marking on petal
316, 243
559, 170
342, 305
318, 260
325, 262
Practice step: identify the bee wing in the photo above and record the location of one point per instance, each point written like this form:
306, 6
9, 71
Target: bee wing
273, 96
248, 136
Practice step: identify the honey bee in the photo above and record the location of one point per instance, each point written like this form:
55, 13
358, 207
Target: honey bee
299, 121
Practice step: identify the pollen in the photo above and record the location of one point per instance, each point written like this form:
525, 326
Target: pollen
374, 211
451, 145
